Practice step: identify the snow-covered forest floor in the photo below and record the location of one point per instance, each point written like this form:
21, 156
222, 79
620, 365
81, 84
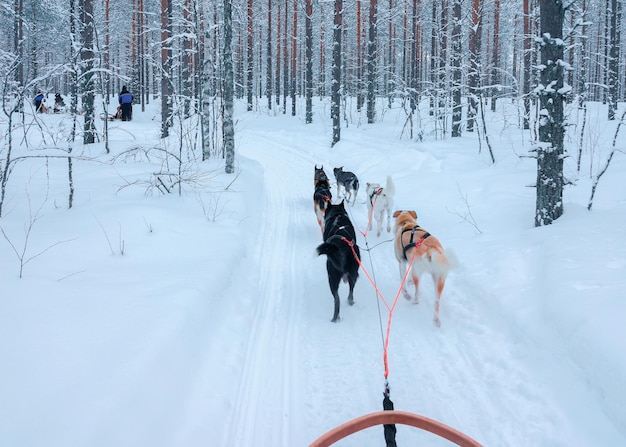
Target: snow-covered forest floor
203, 318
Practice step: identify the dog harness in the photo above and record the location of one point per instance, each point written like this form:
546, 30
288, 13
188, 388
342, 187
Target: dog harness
411, 243
376, 192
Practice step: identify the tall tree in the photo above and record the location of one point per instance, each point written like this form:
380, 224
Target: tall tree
495, 67
613, 57
294, 57
372, 53
309, 62
335, 100
87, 58
456, 69
229, 77
250, 49
527, 64
549, 206
18, 40
268, 81
166, 67
475, 48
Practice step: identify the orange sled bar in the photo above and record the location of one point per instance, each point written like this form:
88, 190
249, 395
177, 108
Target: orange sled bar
394, 417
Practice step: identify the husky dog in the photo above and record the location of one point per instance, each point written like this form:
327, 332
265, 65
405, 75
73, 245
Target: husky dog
379, 204
349, 181
412, 242
321, 196
341, 251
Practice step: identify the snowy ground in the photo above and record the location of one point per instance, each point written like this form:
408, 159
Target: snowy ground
204, 319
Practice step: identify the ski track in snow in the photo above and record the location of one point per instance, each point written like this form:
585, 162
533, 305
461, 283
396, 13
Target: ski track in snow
269, 381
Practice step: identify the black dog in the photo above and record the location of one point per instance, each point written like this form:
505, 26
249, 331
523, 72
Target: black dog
349, 181
321, 196
342, 252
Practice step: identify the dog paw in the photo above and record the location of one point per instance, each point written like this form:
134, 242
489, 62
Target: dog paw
437, 322
335, 320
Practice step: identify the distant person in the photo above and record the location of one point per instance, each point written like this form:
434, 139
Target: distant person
126, 104
39, 102
58, 102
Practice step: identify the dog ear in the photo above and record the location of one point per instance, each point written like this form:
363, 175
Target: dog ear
397, 213
413, 213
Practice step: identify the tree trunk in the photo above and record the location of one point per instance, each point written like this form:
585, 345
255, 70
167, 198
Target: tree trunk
335, 106
613, 62
309, 62
166, 67
278, 53
456, 69
475, 47
527, 65
269, 80
371, 62
18, 40
549, 205
229, 128
495, 67
86, 55
294, 57
286, 58
250, 50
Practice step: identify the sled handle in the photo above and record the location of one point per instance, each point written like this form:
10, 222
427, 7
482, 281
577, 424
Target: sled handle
394, 417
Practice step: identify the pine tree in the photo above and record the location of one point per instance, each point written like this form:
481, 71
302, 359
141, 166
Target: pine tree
549, 206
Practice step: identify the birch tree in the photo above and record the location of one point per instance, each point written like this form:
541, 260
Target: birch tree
87, 58
229, 77
166, 67
456, 69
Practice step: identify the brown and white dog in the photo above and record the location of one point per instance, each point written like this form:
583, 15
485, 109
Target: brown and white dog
379, 204
412, 242
321, 196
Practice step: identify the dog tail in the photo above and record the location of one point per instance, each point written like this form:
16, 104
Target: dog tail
390, 189
438, 263
453, 261
335, 255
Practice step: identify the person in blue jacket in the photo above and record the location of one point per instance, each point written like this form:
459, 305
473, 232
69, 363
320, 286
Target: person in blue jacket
126, 104
39, 100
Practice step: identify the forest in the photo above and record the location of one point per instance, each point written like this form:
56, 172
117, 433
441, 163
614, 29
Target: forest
196, 56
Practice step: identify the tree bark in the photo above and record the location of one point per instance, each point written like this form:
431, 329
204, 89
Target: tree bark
549, 206
229, 128
335, 106
309, 62
372, 51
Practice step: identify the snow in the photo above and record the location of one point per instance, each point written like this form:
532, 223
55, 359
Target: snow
144, 319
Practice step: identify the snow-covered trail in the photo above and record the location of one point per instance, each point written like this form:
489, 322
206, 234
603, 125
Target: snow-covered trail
297, 380
266, 409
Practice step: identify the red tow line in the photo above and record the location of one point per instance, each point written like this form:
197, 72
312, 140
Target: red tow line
391, 417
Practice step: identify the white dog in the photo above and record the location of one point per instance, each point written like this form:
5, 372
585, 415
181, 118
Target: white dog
379, 204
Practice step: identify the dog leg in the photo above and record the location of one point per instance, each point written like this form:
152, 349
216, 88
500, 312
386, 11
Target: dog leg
405, 292
440, 282
334, 288
388, 221
416, 281
351, 283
